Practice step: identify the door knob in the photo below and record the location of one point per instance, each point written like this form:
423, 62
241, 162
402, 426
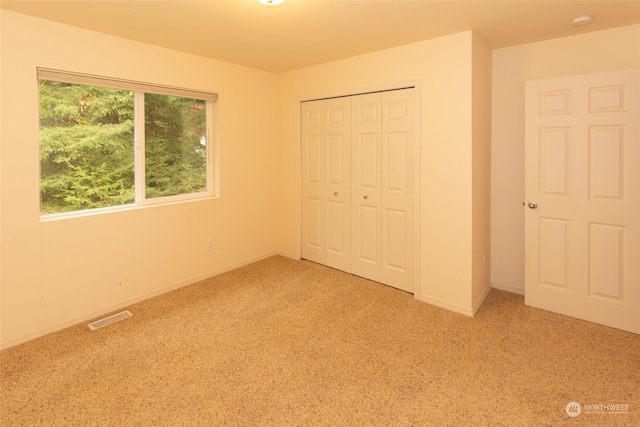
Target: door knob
335, 193
533, 205
365, 197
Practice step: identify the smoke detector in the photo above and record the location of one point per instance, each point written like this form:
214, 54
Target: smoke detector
582, 20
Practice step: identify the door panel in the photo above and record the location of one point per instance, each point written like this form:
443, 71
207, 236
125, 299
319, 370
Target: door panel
366, 129
554, 250
314, 159
582, 241
335, 227
397, 189
368, 150
396, 247
368, 243
396, 161
336, 159
314, 217
325, 134
606, 162
338, 185
554, 169
312, 171
606, 260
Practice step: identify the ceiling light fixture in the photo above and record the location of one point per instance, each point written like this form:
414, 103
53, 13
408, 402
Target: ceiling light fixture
271, 2
582, 20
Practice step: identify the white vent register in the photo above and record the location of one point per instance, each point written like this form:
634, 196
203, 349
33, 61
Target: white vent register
109, 320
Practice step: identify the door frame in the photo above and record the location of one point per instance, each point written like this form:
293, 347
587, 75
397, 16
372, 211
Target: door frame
416, 85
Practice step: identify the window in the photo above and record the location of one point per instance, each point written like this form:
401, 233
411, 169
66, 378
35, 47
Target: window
106, 143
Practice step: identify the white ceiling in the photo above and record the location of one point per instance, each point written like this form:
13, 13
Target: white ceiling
302, 33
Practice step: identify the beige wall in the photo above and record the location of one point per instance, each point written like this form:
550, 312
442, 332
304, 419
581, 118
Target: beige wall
481, 172
442, 70
614, 49
60, 272
57, 273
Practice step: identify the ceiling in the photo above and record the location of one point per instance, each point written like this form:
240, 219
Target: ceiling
301, 33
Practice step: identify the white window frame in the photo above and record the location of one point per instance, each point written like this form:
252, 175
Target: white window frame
139, 89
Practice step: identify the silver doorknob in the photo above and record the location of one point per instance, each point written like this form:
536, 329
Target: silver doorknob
365, 197
533, 205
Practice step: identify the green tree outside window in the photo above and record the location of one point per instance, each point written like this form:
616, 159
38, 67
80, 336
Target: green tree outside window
87, 146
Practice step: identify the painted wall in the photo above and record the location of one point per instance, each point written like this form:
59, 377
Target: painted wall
442, 68
607, 50
60, 272
481, 172
53, 273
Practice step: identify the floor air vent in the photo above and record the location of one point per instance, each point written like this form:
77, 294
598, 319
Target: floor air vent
108, 320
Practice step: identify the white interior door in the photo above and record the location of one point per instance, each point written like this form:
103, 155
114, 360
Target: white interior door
325, 134
582, 188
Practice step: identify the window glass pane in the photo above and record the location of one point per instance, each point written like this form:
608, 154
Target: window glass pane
86, 147
175, 145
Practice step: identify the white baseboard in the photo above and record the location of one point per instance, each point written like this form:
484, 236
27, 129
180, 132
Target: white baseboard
76, 320
288, 255
519, 291
457, 309
447, 306
478, 303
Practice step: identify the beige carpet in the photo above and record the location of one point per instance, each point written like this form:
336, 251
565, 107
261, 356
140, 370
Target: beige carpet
292, 343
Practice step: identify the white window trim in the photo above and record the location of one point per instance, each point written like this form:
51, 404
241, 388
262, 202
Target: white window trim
132, 85
139, 89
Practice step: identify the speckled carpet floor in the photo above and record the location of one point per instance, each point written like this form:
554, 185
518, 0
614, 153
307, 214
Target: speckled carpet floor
293, 343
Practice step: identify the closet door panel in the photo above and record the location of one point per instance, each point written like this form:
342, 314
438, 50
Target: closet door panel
337, 188
312, 169
365, 185
397, 189
396, 238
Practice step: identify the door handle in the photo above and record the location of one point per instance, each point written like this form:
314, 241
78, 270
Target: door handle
365, 197
533, 205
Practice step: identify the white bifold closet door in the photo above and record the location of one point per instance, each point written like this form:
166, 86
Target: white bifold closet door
382, 138
358, 185
325, 153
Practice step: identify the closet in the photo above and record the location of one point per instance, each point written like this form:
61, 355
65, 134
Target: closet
357, 166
